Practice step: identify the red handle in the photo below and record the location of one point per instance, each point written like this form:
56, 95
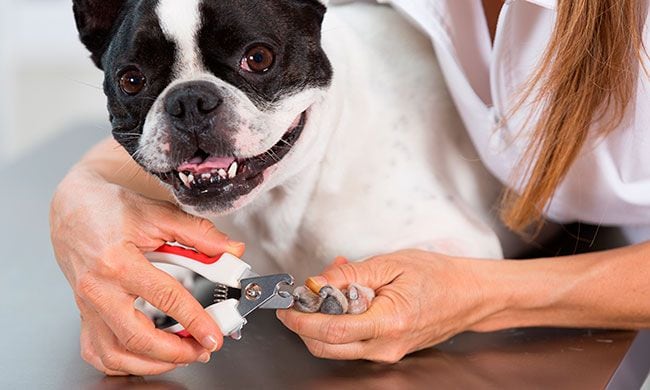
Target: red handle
189, 253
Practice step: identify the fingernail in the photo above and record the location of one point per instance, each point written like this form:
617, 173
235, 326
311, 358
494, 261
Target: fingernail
183, 365
315, 283
204, 358
210, 343
236, 245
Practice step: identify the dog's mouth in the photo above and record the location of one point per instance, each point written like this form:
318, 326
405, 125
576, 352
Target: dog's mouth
228, 177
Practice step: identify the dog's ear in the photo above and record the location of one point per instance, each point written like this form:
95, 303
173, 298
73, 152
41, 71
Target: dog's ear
95, 20
320, 6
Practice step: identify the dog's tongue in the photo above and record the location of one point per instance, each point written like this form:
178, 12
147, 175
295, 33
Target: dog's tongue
198, 165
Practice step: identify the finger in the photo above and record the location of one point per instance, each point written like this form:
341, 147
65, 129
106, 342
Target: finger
373, 350
168, 295
96, 362
350, 351
127, 364
330, 329
176, 350
373, 273
117, 359
195, 232
136, 332
382, 351
89, 355
340, 260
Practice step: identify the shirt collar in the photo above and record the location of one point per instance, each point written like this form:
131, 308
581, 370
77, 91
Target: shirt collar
550, 4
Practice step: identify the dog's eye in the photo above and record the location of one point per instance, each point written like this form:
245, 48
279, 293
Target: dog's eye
132, 81
258, 59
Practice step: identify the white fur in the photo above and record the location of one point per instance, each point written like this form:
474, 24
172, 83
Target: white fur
257, 129
383, 164
394, 170
180, 21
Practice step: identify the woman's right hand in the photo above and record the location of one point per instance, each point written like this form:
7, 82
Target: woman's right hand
100, 232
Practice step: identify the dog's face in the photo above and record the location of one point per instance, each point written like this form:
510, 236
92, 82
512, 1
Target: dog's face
215, 97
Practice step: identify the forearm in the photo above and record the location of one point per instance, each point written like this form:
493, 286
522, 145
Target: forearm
609, 289
110, 161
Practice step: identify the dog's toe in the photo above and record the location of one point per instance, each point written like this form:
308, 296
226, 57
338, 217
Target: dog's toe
355, 299
334, 301
306, 301
359, 298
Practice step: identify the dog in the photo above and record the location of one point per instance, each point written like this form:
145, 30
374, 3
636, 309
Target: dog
306, 130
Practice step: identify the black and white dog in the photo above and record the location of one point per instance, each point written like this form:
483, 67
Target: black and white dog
305, 136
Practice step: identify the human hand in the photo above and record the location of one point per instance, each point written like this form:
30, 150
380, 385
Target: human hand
99, 233
422, 300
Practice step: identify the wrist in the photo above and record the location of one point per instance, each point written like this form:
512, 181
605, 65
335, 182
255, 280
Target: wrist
520, 293
109, 163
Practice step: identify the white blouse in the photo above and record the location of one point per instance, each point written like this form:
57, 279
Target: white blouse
609, 184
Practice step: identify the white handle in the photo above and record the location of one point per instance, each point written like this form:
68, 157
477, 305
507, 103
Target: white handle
225, 314
227, 317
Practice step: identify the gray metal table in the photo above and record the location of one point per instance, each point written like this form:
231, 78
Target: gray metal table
40, 347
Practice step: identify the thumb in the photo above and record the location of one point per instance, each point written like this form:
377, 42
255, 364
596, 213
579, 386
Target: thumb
198, 233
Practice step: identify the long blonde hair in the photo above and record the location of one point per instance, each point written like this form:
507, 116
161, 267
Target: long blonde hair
584, 84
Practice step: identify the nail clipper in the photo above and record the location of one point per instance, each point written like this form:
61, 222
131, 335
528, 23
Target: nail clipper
227, 272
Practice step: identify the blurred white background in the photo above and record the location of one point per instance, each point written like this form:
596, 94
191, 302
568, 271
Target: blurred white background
48, 83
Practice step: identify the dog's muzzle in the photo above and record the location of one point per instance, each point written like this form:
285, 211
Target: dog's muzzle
227, 177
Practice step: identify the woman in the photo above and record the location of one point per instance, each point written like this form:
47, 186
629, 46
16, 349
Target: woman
550, 98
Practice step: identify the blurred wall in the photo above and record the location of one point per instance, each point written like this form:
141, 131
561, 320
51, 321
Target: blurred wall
48, 83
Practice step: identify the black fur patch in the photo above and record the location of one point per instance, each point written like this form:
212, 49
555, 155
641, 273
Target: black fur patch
290, 28
138, 41
126, 33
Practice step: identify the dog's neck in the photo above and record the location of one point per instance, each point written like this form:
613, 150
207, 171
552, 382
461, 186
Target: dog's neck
277, 214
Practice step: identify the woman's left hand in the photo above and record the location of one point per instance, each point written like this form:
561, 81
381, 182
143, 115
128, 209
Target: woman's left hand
422, 300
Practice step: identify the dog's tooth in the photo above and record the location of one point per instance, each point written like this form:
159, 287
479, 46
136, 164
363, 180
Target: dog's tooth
190, 179
222, 172
206, 176
183, 178
232, 171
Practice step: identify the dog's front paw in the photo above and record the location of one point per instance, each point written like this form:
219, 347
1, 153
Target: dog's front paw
355, 299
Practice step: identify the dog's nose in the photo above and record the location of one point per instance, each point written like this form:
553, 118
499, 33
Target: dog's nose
190, 104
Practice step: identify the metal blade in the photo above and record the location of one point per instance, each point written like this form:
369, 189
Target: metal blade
260, 291
283, 300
